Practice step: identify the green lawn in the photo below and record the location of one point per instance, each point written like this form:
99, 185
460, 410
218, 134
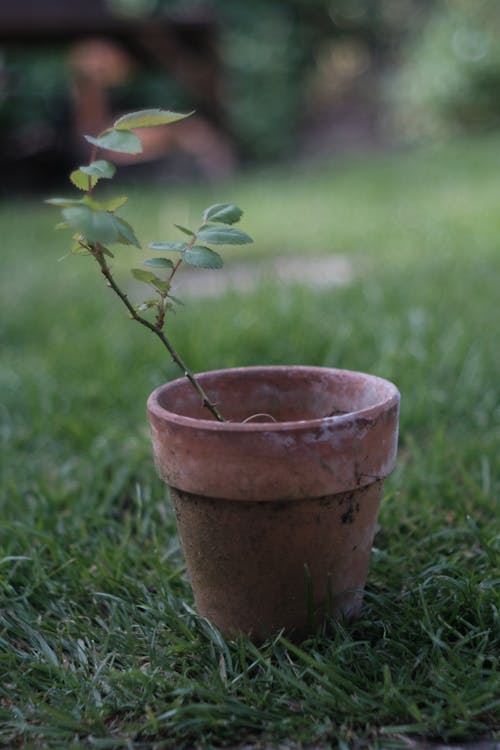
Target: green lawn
99, 645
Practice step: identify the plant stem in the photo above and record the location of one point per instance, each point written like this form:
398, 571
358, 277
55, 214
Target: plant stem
106, 271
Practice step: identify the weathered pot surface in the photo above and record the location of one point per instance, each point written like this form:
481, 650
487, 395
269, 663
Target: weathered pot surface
276, 518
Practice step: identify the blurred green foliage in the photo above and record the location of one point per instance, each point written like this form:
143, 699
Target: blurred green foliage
269, 51
34, 82
450, 76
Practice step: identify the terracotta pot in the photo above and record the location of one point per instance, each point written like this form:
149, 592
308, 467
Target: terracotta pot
276, 519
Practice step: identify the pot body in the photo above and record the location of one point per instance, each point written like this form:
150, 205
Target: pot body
276, 518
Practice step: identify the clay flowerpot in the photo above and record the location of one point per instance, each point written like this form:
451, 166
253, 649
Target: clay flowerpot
276, 518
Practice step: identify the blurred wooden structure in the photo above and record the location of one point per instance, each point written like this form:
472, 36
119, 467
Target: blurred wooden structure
104, 47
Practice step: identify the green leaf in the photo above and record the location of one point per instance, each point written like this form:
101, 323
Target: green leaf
202, 257
223, 213
95, 226
64, 202
77, 249
93, 172
168, 246
185, 230
126, 234
99, 226
147, 304
62, 225
148, 277
147, 118
159, 262
81, 180
100, 169
162, 286
176, 300
122, 141
111, 205
223, 236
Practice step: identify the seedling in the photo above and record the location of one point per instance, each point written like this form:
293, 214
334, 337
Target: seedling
96, 226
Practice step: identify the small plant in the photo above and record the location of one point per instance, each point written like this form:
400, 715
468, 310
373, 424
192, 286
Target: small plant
96, 226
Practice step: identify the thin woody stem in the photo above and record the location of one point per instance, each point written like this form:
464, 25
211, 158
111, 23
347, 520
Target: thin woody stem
160, 318
106, 271
97, 251
174, 270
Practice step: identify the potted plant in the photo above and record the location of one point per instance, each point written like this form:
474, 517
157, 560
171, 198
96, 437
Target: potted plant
275, 473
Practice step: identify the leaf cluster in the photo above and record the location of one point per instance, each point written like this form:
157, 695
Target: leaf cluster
215, 229
96, 225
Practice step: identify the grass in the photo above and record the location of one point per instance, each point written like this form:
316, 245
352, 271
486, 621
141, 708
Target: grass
99, 644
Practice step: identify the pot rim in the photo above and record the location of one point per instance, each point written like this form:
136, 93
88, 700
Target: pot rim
392, 399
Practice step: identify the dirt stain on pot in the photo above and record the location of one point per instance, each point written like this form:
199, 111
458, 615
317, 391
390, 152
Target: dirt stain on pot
350, 514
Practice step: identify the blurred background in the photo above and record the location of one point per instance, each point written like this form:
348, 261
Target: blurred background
361, 138
270, 80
